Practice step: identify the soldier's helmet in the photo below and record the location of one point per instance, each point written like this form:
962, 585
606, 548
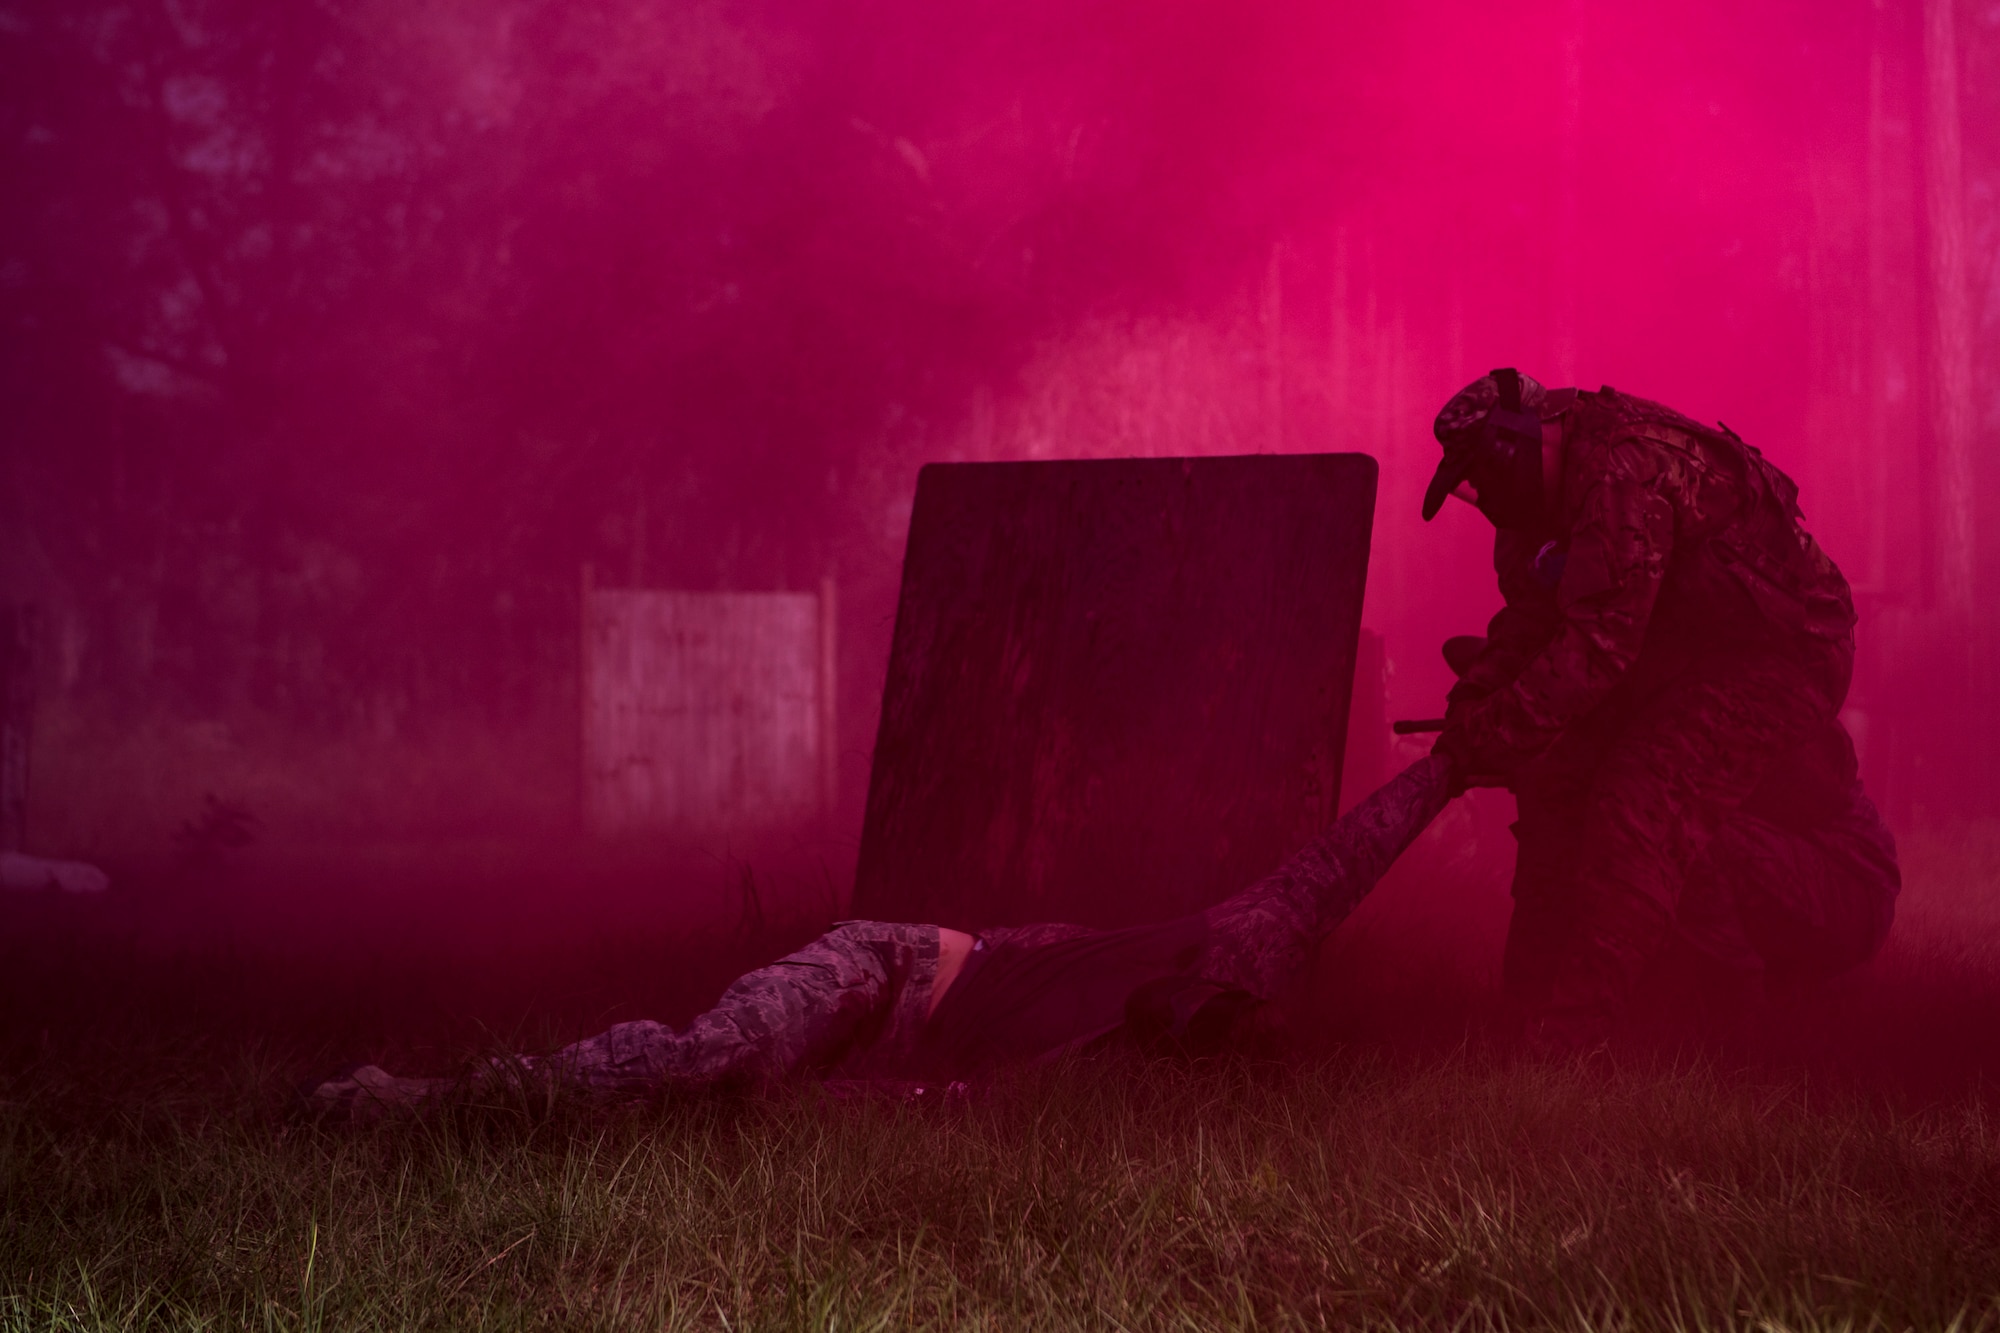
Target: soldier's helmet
1491, 432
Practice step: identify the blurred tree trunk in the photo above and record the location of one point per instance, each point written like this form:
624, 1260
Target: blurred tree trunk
1567, 269
1950, 309
1959, 663
1876, 466
1882, 591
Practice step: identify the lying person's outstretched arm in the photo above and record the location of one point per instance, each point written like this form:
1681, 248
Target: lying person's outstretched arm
1262, 937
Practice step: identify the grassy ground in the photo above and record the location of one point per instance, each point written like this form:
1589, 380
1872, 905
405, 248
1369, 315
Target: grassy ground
1351, 1193
1845, 1174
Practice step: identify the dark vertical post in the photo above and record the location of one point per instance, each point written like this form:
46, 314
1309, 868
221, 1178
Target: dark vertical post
17, 707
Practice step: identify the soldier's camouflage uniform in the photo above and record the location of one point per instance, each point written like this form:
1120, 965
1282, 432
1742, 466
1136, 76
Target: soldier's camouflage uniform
1662, 688
853, 1003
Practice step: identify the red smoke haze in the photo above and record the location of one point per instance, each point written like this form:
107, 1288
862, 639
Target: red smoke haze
339, 337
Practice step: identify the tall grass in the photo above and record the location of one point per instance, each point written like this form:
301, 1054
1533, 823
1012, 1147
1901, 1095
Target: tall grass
1356, 1191
149, 1177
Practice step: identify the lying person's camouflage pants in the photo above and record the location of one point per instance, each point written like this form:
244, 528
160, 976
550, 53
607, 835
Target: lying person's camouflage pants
855, 1001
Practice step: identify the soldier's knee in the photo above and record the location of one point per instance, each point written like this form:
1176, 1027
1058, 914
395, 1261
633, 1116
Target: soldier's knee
638, 1039
624, 1053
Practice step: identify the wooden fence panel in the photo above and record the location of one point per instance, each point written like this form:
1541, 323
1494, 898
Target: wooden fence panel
1118, 689
706, 712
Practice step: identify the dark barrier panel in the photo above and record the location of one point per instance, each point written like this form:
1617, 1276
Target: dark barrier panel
1118, 688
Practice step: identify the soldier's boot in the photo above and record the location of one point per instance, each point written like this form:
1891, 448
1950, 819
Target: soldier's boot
1618, 933
1540, 936
361, 1094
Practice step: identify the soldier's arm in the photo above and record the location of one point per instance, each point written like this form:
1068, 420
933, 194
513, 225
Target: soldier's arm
1520, 629
1617, 559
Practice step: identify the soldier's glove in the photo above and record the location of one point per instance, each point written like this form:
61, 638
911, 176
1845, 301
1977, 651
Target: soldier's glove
1462, 652
1454, 744
1459, 703
1451, 747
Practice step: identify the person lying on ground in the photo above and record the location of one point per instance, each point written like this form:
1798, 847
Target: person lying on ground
891, 1001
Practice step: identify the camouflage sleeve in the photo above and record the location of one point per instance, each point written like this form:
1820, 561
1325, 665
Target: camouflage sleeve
1520, 629
1261, 938
1617, 558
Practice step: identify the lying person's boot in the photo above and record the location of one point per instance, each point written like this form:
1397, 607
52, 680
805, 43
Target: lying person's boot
358, 1094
